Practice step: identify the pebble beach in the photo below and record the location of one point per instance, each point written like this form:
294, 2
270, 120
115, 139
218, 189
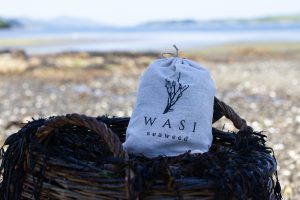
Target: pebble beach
261, 82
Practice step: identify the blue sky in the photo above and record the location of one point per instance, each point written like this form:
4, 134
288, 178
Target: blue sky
131, 12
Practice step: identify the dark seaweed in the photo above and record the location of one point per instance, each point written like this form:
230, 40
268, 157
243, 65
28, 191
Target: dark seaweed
239, 164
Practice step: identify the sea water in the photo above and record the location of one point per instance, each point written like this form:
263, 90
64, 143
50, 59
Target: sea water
138, 39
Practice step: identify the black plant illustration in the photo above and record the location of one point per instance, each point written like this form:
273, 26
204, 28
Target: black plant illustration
175, 90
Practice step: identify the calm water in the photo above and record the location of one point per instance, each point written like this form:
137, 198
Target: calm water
53, 41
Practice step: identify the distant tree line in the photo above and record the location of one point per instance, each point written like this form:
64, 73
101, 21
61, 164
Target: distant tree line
4, 23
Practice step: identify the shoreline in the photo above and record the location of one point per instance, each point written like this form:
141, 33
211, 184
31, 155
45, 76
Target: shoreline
221, 48
19, 61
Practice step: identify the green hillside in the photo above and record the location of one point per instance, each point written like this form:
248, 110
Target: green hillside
283, 18
4, 24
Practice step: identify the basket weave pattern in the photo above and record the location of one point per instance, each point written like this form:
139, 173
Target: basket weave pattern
80, 157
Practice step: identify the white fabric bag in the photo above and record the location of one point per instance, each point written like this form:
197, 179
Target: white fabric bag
173, 111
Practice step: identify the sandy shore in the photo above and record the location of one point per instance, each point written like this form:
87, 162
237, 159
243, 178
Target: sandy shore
261, 82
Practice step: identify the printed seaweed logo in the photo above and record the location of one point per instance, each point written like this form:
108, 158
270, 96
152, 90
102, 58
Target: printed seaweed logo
175, 90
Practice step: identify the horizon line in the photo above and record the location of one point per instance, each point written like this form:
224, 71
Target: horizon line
148, 21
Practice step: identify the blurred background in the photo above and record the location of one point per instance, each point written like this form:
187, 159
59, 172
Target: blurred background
66, 56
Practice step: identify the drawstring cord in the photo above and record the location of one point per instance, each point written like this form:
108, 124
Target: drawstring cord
163, 55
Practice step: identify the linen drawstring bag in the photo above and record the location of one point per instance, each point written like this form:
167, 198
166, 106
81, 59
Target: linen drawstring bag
173, 111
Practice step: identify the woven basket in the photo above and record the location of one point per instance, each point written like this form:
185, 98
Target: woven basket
80, 157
